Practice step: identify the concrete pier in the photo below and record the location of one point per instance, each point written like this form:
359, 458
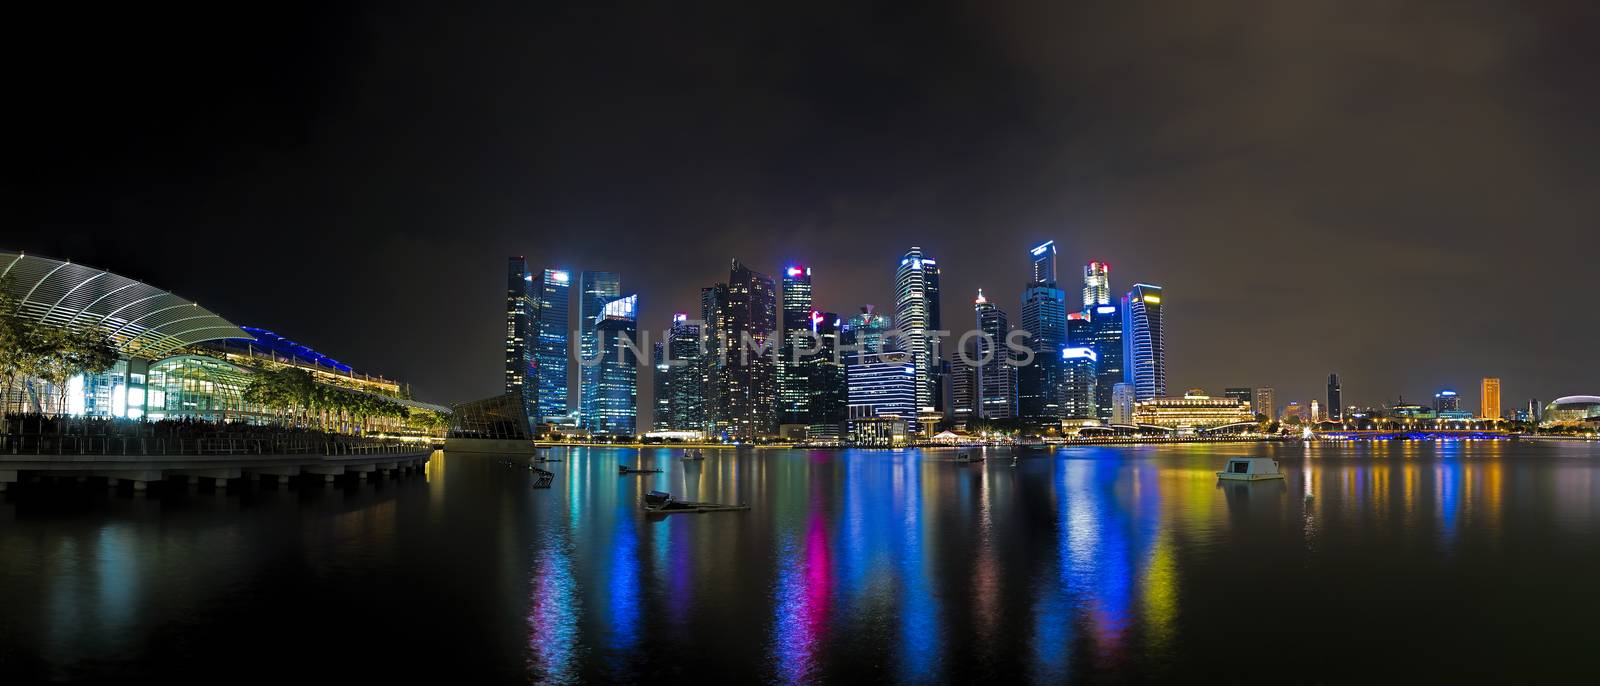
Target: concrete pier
140, 470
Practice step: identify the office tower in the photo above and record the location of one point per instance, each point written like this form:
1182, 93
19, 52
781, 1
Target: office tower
1077, 383
551, 352
916, 311
1445, 401
1044, 316
863, 333
793, 387
1490, 404
1243, 395
596, 289
825, 373
661, 418
1105, 325
519, 348
680, 377
883, 385
996, 378
1096, 285
1080, 331
745, 379
1267, 403
617, 371
1143, 344
714, 314
1535, 410
1121, 403
1335, 413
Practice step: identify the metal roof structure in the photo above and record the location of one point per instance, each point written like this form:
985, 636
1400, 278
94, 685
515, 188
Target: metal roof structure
141, 320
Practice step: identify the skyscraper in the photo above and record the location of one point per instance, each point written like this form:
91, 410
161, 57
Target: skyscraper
1491, 398
520, 336
1267, 403
1077, 383
1243, 395
616, 407
1105, 325
916, 311
827, 379
1044, 316
745, 380
1335, 397
1446, 400
793, 387
1144, 347
996, 378
864, 330
883, 385
551, 351
1121, 403
661, 417
1096, 285
596, 289
680, 378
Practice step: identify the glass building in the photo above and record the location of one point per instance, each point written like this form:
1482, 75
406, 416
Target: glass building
616, 373
1079, 374
680, 378
1096, 285
996, 379
595, 290
551, 351
793, 386
1105, 324
863, 332
826, 375
883, 385
1335, 398
916, 311
1143, 342
743, 394
1044, 317
1446, 400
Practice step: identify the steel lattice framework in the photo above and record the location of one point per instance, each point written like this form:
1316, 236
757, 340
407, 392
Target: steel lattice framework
141, 320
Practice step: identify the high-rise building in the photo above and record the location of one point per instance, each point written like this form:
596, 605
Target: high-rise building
1080, 331
1143, 342
745, 380
1105, 324
863, 333
1535, 410
1044, 317
916, 311
1335, 397
661, 417
1078, 378
1446, 400
996, 378
1243, 395
1267, 403
1096, 285
520, 334
828, 404
551, 351
680, 377
1490, 404
616, 405
596, 289
793, 387
883, 385
1122, 403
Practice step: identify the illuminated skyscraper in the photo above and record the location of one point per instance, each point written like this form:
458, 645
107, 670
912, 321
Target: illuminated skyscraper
680, 378
616, 405
883, 385
1446, 400
1044, 316
744, 380
1121, 404
1078, 378
827, 379
1266, 403
996, 378
1243, 395
596, 289
1143, 343
520, 336
793, 387
1491, 398
864, 330
1335, 397
916, 312
551, 350
1096, 285
1105, 325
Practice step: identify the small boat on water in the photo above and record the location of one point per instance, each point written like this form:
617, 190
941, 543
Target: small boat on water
967, 458
661, 502
694, 454
1250, 469
625, 469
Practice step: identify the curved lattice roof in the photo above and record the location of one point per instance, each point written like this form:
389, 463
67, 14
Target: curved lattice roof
141, 320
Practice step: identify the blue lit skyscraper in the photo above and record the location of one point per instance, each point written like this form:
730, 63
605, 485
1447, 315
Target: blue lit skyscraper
996, 380
1078, 379
916, 312
520, 335
1044, 316
1105, 327
793, 394
1144, 346
882, 385
616, 402
596, 289
550, 349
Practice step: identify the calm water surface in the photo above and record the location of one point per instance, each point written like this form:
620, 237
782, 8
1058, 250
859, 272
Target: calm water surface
1381, 562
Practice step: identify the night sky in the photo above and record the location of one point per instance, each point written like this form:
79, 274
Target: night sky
1404, 193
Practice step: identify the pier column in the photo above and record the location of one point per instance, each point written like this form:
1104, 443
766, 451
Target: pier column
140, 478
327, 471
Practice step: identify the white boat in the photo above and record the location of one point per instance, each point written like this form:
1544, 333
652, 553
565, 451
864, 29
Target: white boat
1250, 469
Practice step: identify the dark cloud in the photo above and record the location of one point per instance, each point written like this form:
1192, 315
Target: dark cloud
1400, 192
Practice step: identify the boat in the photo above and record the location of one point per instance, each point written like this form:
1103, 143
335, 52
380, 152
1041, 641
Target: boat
1250, 469
966, 458
625, 469
661, 503
694, 454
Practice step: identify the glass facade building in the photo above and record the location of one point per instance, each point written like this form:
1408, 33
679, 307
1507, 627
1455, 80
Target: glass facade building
1079, 375
520, 334
883, 385
1144, 345
996, 379
551, 350
1044, 317
1096, 285
744, 393
793, 386
595, 290
616, 400
916, 311
1105, 324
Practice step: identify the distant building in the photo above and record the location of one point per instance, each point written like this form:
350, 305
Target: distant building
1490, 398
1096, 285
596, 290
996, 378
1143, 341
1122, 402
1192, 412
1078, 378
1572, 411
1445, 400
793, 387
744, 315
1335, 397
617, 372
963, 384
551, 348
1105, 323
1044, 317
1244, 395
1316, 412
1267, 403
1292, 411
863, 332
916, 312
826, 378
680, 378
519, 349
883, 385
1535, 410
